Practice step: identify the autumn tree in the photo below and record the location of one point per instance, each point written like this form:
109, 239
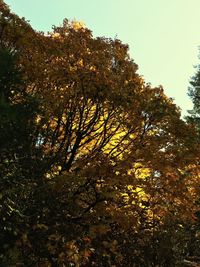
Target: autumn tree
99, 163
17, 112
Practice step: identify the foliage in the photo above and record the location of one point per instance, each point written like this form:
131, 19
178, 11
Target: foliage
193, 120
97, 168
194, 93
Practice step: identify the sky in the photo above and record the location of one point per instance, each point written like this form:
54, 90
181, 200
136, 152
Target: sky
163, 35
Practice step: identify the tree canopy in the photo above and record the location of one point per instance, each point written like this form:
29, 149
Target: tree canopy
97, 167
194, 93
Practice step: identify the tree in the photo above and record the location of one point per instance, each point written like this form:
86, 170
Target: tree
102, 161
17, 112
194, 93
193, 119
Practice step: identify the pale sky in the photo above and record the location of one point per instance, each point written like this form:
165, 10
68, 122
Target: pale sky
163, 35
